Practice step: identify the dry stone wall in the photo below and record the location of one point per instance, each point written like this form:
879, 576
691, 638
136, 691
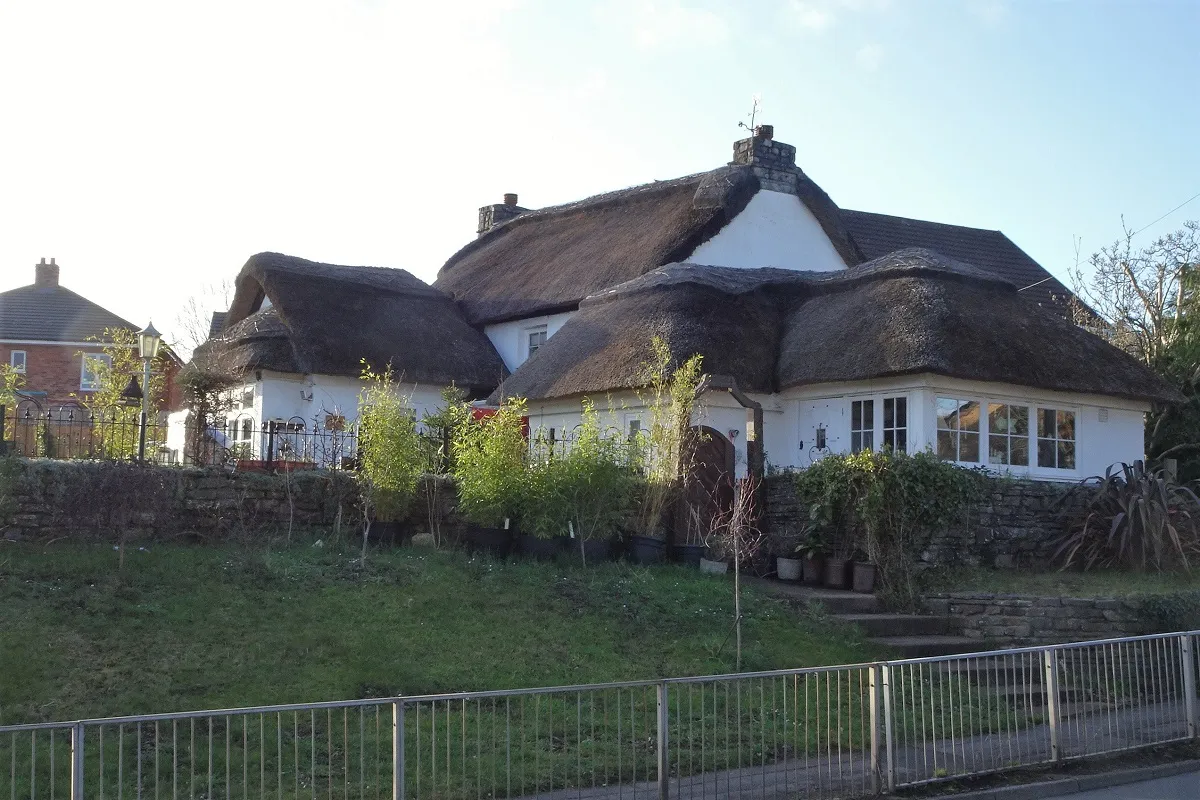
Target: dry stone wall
1022, 620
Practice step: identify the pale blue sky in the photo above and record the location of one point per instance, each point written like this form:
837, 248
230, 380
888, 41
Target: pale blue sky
174, 140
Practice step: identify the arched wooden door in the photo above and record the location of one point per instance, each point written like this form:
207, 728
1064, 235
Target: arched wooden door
709, 492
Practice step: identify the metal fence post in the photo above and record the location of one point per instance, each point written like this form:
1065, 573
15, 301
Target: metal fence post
77, 761
1050, 663
270, 460
1188, 653
889, 737
397, 750
875, 685
664, 788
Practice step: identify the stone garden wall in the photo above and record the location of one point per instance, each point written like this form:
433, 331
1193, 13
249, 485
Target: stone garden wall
1013, 525
42, 500
1020, 620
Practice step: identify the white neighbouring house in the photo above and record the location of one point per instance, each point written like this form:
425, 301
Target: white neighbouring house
849, 330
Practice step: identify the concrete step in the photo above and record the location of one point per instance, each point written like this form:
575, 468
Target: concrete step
923, 646
900, 624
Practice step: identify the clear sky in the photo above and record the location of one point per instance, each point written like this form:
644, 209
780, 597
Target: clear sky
151, 147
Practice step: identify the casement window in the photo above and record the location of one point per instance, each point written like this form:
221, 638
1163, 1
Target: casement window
535, 338
862, 425
1055, 438
18, 361
1008, 435
895, 424
958, 430
90, 371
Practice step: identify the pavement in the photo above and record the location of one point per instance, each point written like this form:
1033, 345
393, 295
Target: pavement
1177, 787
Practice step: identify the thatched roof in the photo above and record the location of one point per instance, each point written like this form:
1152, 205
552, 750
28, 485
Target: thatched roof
910, 312
548, 260
325, 319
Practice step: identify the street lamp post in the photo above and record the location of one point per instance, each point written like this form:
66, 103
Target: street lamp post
148, 343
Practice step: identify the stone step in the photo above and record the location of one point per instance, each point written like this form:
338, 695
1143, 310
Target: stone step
900, 624
833, 601
923, 646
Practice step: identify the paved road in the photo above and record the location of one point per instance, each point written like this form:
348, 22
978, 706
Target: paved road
1180, 787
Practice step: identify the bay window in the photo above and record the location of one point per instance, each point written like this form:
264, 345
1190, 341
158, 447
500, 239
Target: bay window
1055, 438
1008, 435
895, 424
958, 430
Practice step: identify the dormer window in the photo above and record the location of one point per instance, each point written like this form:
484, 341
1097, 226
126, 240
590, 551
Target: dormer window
536, 337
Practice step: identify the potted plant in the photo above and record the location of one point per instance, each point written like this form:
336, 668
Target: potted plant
389, 452
837, 563
489, 463
545, 514
693, 548
718, 549
785, 542
862, 573
812, 556
664, 450
597, 482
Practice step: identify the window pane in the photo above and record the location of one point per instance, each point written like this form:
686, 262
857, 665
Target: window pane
945, 445
1019, 456
1046, 454
889, 413
1066, 425
947, 414
1018, 420
968, 447
868, 414
998, 418
855, 415
968, 416
1066, 455
889, 437
901, 441
868, 440
901, 412
1045, 422
997, 449
855, 442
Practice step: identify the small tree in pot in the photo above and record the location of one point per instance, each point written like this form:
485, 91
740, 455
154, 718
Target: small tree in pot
490, 455
598, 479
389, 451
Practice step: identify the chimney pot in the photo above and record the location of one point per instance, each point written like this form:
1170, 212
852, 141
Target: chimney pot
45, 274
764, 132
510, 198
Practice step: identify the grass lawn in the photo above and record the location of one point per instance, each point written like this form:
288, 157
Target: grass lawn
1104, 583
183, 627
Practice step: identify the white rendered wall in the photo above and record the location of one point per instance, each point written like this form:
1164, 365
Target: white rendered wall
511, 339
775, 229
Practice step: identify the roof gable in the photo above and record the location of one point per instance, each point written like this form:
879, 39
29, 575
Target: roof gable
54, 314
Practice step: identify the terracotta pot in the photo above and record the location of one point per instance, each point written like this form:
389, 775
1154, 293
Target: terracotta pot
788, 569
813, 570
713, 567
864, 577
836, 573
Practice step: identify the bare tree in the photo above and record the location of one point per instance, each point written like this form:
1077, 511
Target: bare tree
1141, 294
194, 320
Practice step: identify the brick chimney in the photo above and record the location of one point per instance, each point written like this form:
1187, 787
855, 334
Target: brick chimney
491, 216
774, 162
45, 274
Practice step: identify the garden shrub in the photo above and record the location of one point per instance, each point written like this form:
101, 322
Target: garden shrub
490, 455
887, 505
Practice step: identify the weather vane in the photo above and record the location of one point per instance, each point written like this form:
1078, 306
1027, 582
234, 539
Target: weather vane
755, 107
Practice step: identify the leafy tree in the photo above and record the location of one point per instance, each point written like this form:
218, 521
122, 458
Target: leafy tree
489, 461
115, 429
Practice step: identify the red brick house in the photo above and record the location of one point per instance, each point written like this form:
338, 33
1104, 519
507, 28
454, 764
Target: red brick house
49, 334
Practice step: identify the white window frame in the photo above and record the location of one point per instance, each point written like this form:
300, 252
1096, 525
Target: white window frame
1009, 437
894, 429
12, 361
1032, 468
528, 333
979, 433
94, 385
1034, 439
877, 430
866, 435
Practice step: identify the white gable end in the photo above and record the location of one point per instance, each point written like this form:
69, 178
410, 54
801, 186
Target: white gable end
774, 230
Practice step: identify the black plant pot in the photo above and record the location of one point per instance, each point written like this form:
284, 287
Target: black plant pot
540, 549
496, 542
387, 531
837, 573
646, 550
689, 554
595, 551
